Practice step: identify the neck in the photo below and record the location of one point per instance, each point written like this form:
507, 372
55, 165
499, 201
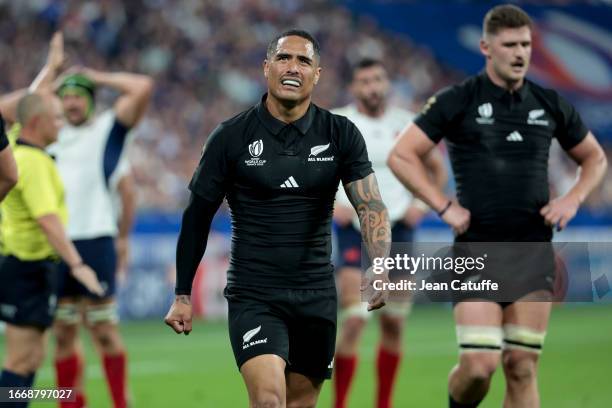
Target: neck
373, 113
510, 86
287, 111
28, 136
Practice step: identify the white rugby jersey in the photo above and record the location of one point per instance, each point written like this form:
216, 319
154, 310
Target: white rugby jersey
380, 135
87, 157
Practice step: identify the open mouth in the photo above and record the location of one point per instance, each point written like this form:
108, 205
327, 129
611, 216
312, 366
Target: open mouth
518, 65
294, 83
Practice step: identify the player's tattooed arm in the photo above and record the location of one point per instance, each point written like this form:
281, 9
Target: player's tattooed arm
373, 215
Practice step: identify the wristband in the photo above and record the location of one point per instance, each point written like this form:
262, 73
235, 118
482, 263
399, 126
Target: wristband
446, 207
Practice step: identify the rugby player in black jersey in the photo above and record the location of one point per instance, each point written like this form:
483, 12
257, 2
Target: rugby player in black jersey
278, 165
498, 127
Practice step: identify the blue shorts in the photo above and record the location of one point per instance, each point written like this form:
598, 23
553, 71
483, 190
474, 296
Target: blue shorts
349, 243
101, 256
28, 293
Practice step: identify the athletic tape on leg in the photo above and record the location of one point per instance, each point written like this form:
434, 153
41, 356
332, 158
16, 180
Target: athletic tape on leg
479, 338
523, 338
357, 310
67, 313
102, 313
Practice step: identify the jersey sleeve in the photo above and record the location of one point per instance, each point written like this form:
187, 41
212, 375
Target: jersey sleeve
439, 113
3, 139
36, 185
570, 129
355, 163
210, 178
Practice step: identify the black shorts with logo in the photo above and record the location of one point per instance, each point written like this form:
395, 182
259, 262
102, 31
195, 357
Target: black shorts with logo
298, 325
28, 293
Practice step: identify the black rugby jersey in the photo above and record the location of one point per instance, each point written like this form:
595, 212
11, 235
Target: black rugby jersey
499, 145
280, 181
3, 139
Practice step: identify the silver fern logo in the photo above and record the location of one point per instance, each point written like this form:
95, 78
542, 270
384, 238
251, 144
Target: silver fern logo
319, 149
316, 150
250, 334
246, 338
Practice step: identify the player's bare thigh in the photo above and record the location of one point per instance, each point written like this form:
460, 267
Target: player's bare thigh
264, 377
302, 391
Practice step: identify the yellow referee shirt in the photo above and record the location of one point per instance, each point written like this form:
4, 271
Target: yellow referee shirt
38, 192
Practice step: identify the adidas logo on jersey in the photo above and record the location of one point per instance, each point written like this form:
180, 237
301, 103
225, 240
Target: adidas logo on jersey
534, 116
486, 114
290, 183
514, 137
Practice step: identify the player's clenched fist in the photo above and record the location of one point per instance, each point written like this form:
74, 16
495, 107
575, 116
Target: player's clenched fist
179, 315
457, 217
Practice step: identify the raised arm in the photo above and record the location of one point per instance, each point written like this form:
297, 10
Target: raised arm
365, 197
135, 92
43, 81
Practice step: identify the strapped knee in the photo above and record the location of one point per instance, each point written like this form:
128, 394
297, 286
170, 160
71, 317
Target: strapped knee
397, 309
67, 313
359, 310
523, 338
106, 313
473, 339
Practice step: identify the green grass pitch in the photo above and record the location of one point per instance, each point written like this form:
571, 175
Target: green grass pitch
167, 370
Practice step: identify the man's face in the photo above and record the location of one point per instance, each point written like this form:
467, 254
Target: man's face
75, 108
508, 52
292, 70
370, 86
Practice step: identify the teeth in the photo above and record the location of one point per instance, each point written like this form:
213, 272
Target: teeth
291, 82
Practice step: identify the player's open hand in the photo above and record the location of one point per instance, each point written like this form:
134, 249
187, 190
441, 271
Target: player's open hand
457, 217
560, 211
55, 58
376, 298
179, 315
88, 278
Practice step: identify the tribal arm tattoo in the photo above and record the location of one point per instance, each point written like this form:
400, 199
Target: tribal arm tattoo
373, 215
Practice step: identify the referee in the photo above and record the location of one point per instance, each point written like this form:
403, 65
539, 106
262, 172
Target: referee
278, 165
8, 168
34, 214
498, 127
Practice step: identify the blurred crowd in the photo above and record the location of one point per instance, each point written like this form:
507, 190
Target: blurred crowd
206, 57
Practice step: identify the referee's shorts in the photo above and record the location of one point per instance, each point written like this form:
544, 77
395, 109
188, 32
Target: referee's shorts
28, 293
299, 325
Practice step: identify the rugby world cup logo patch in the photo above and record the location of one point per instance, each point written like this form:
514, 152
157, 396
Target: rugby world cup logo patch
255, 150
486, 112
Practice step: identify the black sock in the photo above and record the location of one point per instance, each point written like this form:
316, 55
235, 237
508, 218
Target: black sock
30, 380
454, 404
13, 380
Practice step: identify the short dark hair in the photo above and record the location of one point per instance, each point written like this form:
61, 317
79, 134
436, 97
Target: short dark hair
505, 16
366, 62
299, 33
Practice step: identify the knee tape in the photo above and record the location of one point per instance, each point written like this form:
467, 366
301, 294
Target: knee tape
473, 339
523, 338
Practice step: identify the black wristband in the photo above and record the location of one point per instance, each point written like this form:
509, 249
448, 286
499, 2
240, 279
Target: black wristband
446, 207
